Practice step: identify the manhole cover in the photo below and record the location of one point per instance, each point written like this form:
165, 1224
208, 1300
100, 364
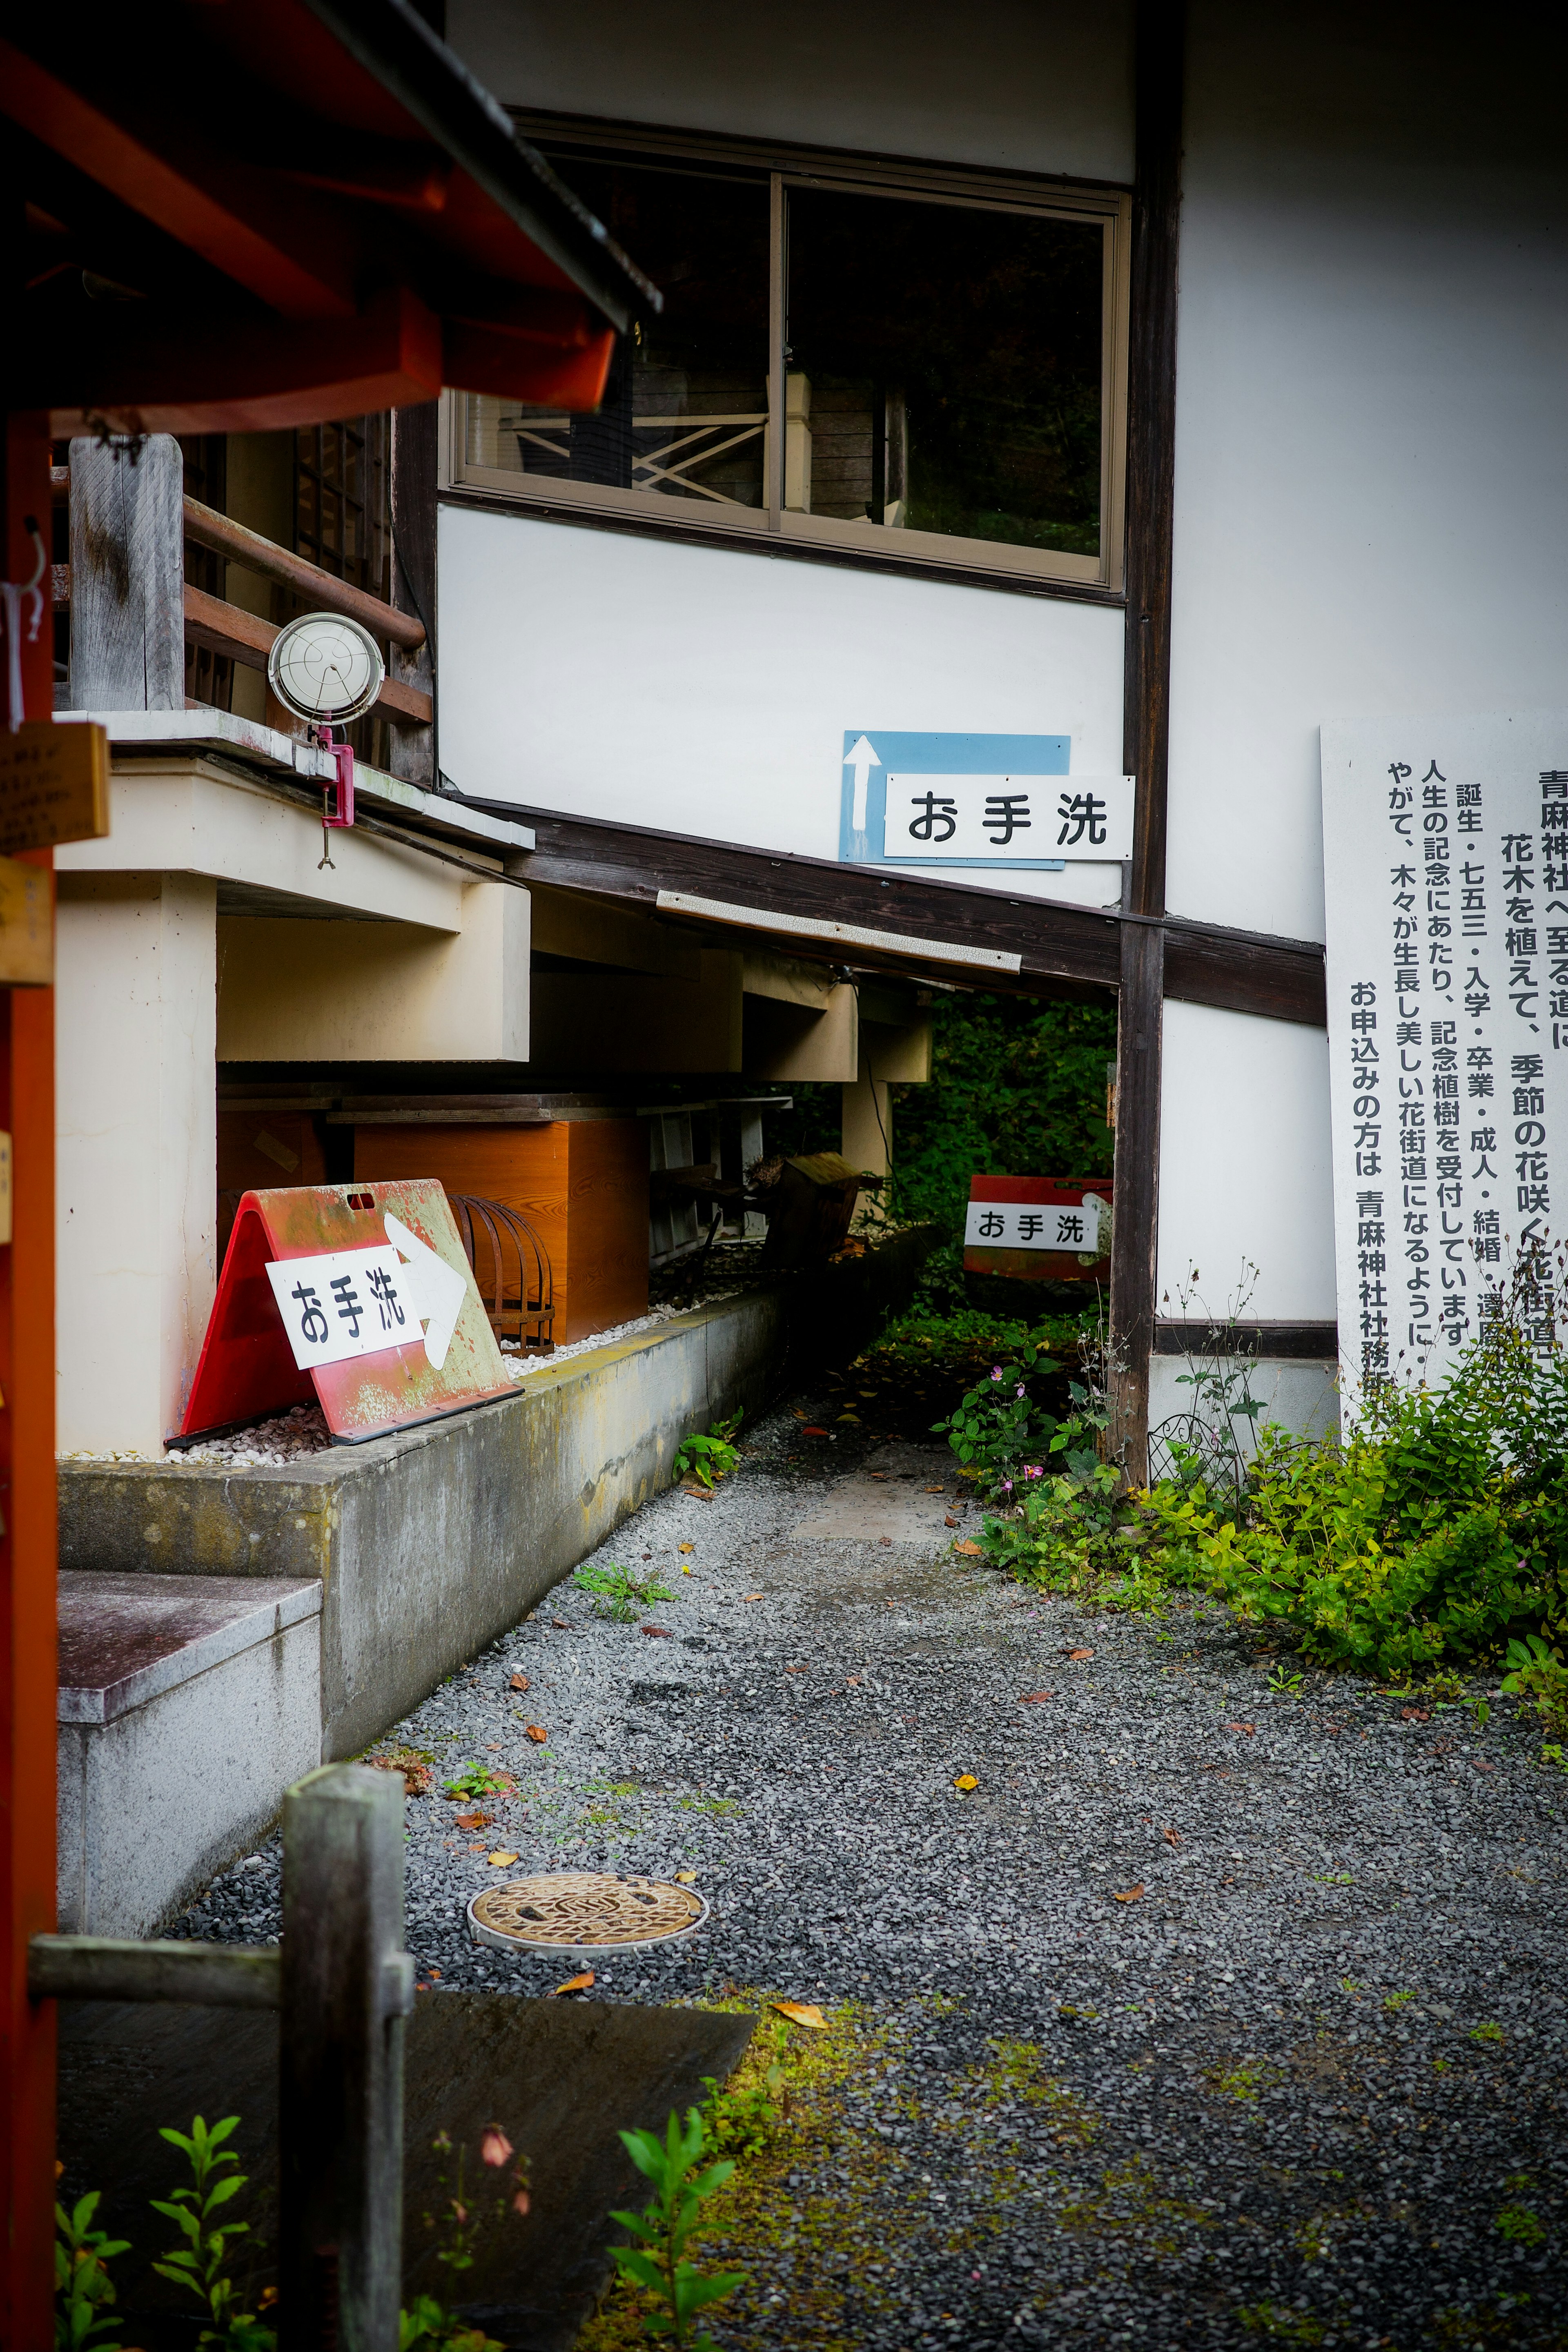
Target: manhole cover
581, 1912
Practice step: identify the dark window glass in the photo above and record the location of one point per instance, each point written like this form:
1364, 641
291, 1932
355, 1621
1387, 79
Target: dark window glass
946, 363
685, 410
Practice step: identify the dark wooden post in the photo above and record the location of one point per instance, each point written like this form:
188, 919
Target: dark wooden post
1151, 498
414, 455
127, 575
348, 1984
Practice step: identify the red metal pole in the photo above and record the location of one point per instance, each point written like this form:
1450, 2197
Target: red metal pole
27, 1542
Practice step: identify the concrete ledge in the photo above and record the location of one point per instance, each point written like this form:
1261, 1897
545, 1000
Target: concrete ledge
431, 1543
188, 1704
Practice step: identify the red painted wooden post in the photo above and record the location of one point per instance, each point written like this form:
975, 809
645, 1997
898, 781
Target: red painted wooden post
28, 1667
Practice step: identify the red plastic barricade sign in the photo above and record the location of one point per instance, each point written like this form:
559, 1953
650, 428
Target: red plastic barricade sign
1039, 1228
361, 1296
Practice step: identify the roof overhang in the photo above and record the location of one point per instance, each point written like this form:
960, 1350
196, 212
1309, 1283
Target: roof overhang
265, 212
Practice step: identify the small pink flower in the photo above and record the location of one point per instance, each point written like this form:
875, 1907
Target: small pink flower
995, 1371
495, 2147
1034, 1470
522, 2202
1020, 1389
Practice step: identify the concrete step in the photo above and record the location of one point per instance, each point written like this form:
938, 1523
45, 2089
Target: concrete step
187, 1705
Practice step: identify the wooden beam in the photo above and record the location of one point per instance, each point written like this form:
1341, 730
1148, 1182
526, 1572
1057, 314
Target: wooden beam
294, 252
28, 1535
226, 537
416, 469
108, 1968
1158, 66
1062, 951
247, 638
146, 370
127, 640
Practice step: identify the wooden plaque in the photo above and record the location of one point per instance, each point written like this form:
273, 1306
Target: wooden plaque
26, 924
54, 784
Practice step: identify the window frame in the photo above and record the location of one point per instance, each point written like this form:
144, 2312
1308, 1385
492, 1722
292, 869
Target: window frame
775, 529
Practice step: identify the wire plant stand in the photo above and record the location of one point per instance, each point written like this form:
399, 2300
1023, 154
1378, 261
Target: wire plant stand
515, 1280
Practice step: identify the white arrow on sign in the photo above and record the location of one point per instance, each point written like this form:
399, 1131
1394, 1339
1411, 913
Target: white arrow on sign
862, 757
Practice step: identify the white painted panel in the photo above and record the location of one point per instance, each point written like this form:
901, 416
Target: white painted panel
1303, 1397
1245, 1171
706, 690
1034, 85
1371, 469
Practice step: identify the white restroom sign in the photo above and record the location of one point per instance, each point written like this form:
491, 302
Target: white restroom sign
357, 1302
999, 818
1034, 1225
342, 1303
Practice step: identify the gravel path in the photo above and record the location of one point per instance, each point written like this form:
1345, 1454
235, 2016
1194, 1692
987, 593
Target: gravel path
1211, 2015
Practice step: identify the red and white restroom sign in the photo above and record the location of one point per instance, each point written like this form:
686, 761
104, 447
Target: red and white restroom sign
359, 1296
1039, 1228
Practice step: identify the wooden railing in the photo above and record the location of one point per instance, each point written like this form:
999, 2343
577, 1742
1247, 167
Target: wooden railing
229, 629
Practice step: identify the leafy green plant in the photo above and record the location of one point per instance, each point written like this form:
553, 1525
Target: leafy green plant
742, 2122
203, 2262
657, 2262
461, 2221
480, 1780
710, 1458
995, 1424
1283, 1681
83, 2288
1520, 2224
1536, 1671
619, 1594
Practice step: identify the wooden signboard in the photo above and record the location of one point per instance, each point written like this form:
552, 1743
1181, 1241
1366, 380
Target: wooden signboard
27, 923
1039, 1228
54, 784
359, 1296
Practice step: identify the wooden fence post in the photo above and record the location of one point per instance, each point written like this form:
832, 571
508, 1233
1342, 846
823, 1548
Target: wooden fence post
348, 1984
127, 575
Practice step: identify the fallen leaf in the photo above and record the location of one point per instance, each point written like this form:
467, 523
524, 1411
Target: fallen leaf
949, 1521
936, 1490
537, 1733
473, 1821
966, 1780
1480, 1767
877, 1473
502, 1861
476, 1849
1171, 1836
1131, 1895
686, 1878
886, 1540
1414, 1714
972, 1549
1036, 1699
575, 1984
811, 1430
562, 1624
519, 1682
851, 1682
1078, 1654
802, 2012
695, 1486
685, 1547
658, 1632
754, 1596
492, 1746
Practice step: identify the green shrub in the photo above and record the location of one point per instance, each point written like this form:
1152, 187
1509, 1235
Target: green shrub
1434, 1530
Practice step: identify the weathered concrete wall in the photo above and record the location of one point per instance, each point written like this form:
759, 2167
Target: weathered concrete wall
430, 1543
170, 1773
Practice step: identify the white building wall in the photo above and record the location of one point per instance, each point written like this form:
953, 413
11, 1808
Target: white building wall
1372, 468
706, 690
1371, 514
1028, 86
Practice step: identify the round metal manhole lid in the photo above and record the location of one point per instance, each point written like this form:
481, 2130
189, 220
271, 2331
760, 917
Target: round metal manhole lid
577, 1913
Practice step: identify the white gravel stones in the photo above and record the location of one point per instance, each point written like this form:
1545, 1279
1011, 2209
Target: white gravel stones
1237, 2029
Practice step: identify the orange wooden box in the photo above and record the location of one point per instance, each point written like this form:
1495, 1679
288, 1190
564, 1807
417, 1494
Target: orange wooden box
583, 1185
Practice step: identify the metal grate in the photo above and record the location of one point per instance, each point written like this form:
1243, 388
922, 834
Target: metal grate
581, 1912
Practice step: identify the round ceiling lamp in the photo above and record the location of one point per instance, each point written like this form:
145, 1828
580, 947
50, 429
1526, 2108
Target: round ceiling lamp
324, 667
